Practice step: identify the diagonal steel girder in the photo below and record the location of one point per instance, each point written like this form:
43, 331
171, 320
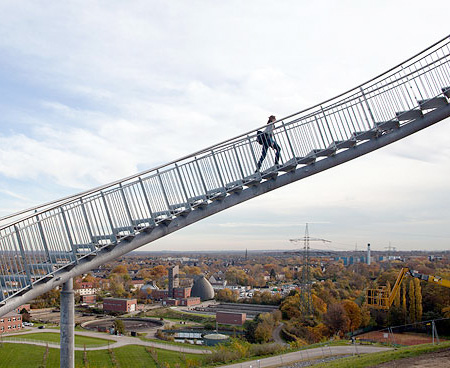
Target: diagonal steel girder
141, 239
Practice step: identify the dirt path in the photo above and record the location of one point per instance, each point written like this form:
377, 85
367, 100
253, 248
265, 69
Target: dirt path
438, 359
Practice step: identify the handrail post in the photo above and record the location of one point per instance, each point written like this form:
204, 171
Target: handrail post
367, 105
182, 185
22, 253
127, 208
44, 241
166, 199
146, 197
69, 237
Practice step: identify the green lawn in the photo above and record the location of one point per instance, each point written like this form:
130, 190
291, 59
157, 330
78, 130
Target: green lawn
132, 356
378, 358
53, 337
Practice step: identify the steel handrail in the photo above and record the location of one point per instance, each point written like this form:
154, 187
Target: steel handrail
65, 200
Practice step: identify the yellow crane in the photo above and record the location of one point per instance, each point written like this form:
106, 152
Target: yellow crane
382, 297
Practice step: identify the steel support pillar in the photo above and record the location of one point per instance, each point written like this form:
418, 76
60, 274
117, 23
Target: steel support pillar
67, 322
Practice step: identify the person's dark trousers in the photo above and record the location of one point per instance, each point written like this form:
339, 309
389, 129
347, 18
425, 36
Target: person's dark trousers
265, 147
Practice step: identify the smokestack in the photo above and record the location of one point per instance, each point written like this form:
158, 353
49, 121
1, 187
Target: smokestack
368, 254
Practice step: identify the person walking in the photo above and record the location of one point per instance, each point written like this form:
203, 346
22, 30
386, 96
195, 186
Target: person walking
269, 141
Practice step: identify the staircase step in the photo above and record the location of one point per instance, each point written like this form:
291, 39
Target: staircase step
200, 204
90, 246
235, 189
305, 160
433, 103
322, 152
388, 125
125, 237
349, 143
217, 196
446, 91
269, 174
97, 238
409, 115
252, 180
164, 219
364, 136
288, 166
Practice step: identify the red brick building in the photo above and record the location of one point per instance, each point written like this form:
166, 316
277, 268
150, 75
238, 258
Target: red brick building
10, 322
230, 318
88, 299
181, 293
119, 305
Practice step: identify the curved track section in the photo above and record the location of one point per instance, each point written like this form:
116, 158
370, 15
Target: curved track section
52, 243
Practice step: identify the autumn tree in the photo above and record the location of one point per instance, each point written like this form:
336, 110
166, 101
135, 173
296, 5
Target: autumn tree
353, 313
412, 302
290, 307
227, 295
404, 308
418, 299
120, 269
336, 318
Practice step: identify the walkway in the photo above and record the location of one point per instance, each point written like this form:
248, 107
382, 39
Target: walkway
118, 341
310, 354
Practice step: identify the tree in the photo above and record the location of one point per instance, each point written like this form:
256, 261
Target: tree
226, 295
336, 318
26, 317
120, 269
418, 299
412, 302
353, 313
290, 307
119, 326
404, 301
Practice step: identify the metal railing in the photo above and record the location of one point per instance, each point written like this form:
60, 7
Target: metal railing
57, 234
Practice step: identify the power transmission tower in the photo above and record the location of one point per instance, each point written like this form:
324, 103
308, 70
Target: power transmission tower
306, 273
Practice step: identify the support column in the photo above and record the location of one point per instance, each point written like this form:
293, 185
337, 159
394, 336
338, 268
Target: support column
67, 322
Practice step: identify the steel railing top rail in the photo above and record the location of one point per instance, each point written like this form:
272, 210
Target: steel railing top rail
36, 210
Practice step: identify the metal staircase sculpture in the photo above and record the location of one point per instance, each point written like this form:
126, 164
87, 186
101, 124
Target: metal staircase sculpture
46, 246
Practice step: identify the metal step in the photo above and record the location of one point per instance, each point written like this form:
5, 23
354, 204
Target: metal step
364, 136
288, 166
165, 220
349, 143
269, 174
409, 115
235, 189
446, 91
388, 125
200, 204
98, 238
433, 103
252, 180
125, 237
218, 196
90, 247
305, 160
319, 152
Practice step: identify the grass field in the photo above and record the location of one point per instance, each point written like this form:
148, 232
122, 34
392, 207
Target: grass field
133, 356
378, 358
54, 338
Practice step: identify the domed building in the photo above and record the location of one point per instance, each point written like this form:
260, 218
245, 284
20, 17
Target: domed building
202, 289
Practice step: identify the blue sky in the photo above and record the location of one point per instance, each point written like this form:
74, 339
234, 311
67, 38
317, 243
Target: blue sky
93, 91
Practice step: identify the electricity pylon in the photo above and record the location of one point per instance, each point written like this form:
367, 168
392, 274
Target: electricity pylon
306, 274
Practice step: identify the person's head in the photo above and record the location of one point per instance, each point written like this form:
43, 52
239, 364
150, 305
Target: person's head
272, 118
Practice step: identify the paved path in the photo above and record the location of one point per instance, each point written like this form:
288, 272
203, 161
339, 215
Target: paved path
276, 335
310, 354
117, 342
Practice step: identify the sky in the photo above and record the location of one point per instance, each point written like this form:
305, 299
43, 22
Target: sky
93, 91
